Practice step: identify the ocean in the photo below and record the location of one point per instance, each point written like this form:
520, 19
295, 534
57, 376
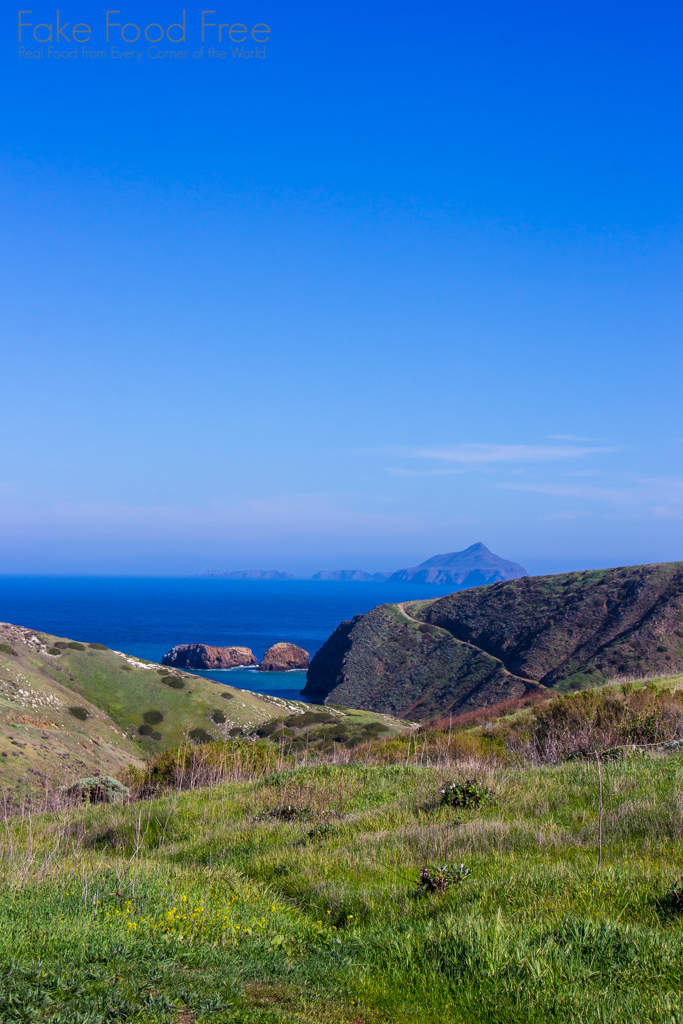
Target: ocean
146, 616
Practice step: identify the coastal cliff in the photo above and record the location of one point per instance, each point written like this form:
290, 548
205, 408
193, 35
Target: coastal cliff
501, 642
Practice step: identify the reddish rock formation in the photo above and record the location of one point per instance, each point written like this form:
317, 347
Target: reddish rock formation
281, 657
204, 656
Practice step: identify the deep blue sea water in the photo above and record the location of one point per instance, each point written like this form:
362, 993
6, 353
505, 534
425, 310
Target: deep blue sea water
146, 616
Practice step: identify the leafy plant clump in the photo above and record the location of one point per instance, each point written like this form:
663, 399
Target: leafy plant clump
439, 879
54, 651
289, 812
101, 789
218, 717
266, 728
227, 696
200, 736
465, 794
175, 682
309, 718
79, 712
6, 649
98, 647
153, 717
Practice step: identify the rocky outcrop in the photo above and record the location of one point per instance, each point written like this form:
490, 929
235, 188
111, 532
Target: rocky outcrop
282, 657
513, 639
205, 656
473, 567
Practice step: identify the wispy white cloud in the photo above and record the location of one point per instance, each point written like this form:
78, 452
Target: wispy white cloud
573, 437
623, 495
477, 454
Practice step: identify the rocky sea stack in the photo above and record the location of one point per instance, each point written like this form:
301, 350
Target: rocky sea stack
283, 657
204, 656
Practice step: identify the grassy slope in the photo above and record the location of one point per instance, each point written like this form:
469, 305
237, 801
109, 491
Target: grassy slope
203, 907
40, 741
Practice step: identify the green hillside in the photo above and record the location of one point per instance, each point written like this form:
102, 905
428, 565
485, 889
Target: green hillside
70, 710
505, 641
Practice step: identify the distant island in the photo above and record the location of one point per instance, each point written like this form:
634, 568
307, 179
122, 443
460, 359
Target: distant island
473, 567
247, 574
352, 576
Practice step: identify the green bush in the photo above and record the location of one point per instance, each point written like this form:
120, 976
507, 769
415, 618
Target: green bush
227, 696
464, 794
218, 717
145, 730
309, 718
55, 651
200, 736
433, 880
101, 789
153, 717
79, 712
174, 682
6, 649
75, 646
266, 728
98, 647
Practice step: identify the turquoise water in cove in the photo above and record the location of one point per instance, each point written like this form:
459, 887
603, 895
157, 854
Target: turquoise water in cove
146, 616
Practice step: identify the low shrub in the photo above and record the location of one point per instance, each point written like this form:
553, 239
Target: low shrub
218, 717
75, 646
439, 879
309, 718
145, 730
79, 712
101, 789
6, 649
289, 812
464, 794
98, 647
227, 696
200, 736
55, 651
266, 728
153, 717
175, 682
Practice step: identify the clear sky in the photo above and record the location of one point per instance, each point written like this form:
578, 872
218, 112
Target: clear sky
406, 279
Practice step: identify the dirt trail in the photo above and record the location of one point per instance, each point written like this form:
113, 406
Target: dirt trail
401, 605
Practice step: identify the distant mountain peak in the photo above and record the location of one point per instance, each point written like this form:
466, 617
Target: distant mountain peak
474, 566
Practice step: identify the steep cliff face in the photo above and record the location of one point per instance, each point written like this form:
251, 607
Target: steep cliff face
205, 656
501, 642
282, 657
387, 663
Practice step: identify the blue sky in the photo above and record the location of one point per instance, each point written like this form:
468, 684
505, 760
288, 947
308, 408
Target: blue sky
409, 281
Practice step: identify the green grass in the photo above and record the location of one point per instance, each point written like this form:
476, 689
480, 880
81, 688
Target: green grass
70, 710
216, 905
